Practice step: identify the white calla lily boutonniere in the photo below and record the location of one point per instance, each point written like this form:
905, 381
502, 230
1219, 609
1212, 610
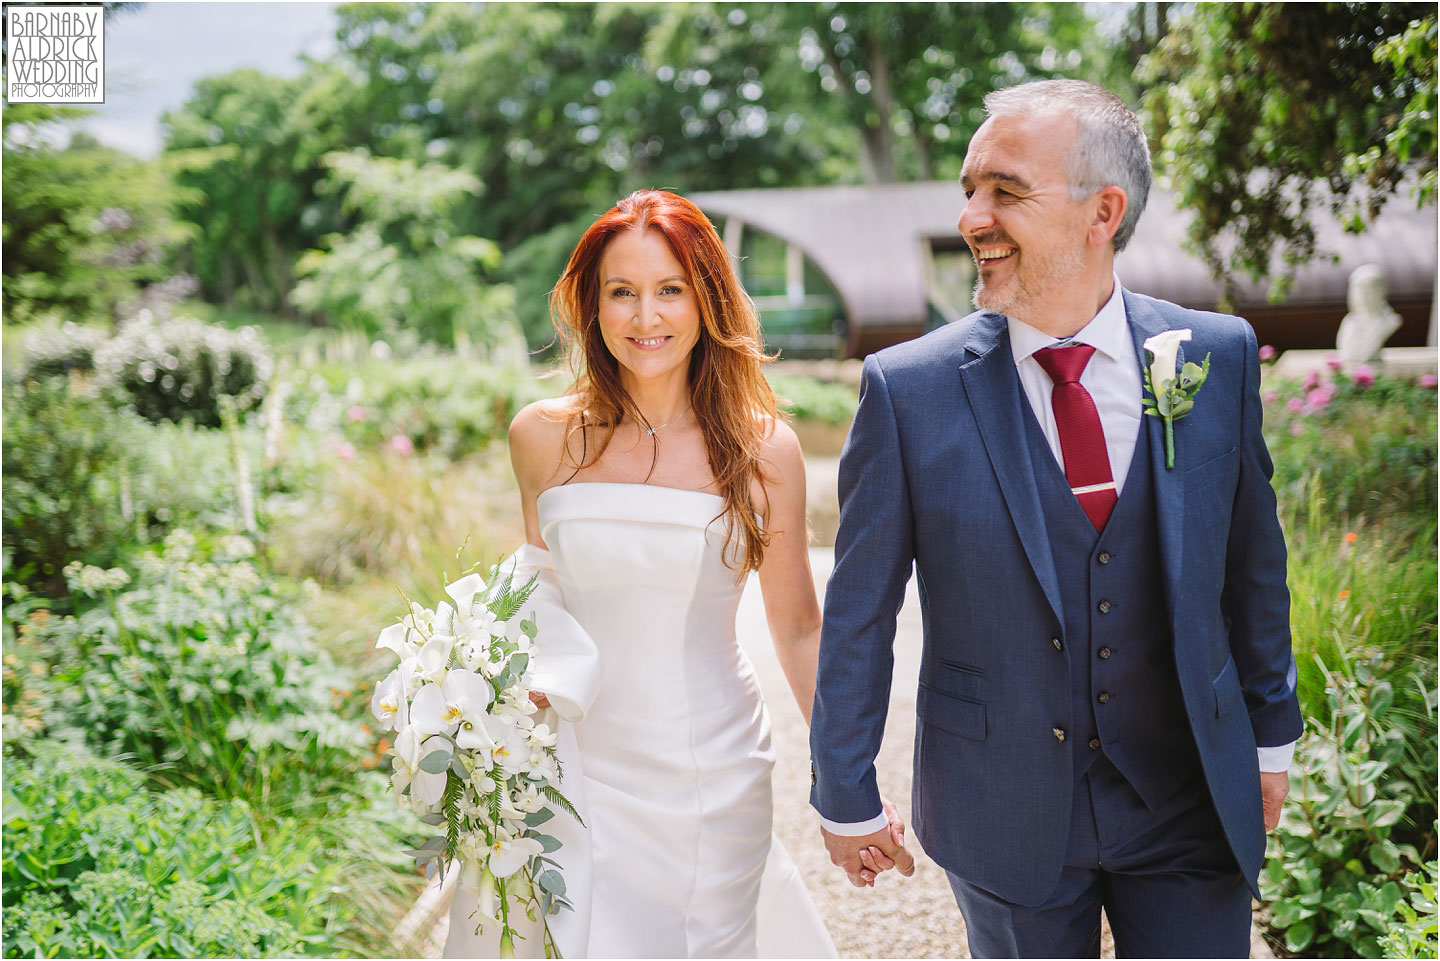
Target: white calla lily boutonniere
1172, 392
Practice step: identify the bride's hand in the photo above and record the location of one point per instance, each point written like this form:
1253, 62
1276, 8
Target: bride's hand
541, 701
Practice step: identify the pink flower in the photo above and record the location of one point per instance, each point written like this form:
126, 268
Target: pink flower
1318, 398
1429, 380
1333, 363
1297, 427
1312, 381
1267, 353
356, 413
345, 450
402, 445
1364, 375
1270, 396
1295, 404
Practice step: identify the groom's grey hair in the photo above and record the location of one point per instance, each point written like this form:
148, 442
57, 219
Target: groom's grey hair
1110, 149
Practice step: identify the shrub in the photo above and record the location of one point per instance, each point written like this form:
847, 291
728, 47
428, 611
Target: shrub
1339, 857
1415, 934
446, 404
199, 670
809, 399
1373, 446
180, 369
95, 866
69, 463
56, 351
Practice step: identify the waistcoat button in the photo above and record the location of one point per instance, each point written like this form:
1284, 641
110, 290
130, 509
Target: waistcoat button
1094, 744
1103, 653
1104, 557
1059, 734
1103, 697
1058, 645
1103, 607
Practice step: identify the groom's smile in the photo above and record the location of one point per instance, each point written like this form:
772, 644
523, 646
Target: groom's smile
1023, 225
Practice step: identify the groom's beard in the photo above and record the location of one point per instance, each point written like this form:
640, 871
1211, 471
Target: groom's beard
1041, 276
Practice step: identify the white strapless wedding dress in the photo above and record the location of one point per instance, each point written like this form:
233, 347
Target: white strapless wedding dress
674, 745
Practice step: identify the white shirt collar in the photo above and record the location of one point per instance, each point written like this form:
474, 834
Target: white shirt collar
1107, 332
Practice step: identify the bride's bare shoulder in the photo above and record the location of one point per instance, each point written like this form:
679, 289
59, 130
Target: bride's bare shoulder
537, 439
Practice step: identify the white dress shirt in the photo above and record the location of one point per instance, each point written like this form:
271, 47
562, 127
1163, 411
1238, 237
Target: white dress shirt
1115, 383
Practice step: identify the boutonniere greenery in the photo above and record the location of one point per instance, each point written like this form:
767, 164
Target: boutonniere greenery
1172, 393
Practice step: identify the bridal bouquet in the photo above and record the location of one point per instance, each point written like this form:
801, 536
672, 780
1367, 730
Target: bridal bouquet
468, 754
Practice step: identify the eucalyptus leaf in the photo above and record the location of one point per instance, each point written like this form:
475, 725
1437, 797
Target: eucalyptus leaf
547, 842
435, 762
551, 881
433, 819
537, 818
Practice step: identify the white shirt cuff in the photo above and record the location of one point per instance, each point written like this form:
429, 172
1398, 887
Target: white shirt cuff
1274, 760
855, 829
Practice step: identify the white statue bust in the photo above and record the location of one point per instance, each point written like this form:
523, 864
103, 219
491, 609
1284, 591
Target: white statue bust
1370, 321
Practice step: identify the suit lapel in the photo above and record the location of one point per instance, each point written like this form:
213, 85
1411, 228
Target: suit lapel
993, 389
1145, 322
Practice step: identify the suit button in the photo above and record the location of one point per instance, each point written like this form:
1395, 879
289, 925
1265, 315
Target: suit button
1103, 697
1058, 645
1103, 653
1103, 607
1059, 734
1104, 557
1094, 744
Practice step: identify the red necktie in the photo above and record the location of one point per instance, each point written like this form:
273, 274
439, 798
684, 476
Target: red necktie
1082, 439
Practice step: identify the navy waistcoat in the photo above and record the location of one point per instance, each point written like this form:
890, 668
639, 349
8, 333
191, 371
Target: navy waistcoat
1125, 693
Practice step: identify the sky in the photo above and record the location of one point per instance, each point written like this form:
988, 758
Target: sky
154, 55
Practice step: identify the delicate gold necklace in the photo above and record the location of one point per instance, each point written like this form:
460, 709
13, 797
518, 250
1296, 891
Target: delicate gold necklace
651, 430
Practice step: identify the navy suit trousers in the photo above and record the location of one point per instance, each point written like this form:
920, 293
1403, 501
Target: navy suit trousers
1166, 880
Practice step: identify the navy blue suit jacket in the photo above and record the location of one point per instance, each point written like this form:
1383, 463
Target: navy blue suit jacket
936, 472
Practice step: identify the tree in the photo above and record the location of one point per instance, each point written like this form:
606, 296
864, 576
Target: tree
86, 228
1263, 113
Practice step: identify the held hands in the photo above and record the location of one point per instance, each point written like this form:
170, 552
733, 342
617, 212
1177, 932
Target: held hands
539, 700
1273, 788
864, 858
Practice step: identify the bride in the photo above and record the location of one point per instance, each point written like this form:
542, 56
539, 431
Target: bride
649, 491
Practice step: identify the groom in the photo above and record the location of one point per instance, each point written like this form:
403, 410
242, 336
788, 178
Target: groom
1106, 646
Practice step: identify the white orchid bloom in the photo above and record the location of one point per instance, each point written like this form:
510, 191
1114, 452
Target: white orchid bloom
512, 749
510, 855
1164, 347
463, 592
441, 708
388, 702
400, 639
410, 748
516, 636
527, 798
445, 620
434, 658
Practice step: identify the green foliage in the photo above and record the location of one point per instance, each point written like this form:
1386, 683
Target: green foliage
52, 351
69, 462
201, 672
95, 866
446, 404
806, 398
85, 228
1340, 853
181, 369
1371, 447
1263, 112
1415, 933
403, 266
1355, 463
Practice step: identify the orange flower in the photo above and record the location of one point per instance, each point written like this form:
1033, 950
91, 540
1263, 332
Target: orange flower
1350, 537
370, 763
1344, 595
383, 746
365, 729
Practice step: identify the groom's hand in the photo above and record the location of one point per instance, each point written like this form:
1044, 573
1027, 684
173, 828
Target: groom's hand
863, 858
1273, 788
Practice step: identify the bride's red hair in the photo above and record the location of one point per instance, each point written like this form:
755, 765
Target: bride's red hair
732, 400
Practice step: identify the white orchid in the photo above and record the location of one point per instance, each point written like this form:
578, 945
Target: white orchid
434, 658
1164, 347
508, 855
400, 639
389, 704
463, 592
441, 708
410, 749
